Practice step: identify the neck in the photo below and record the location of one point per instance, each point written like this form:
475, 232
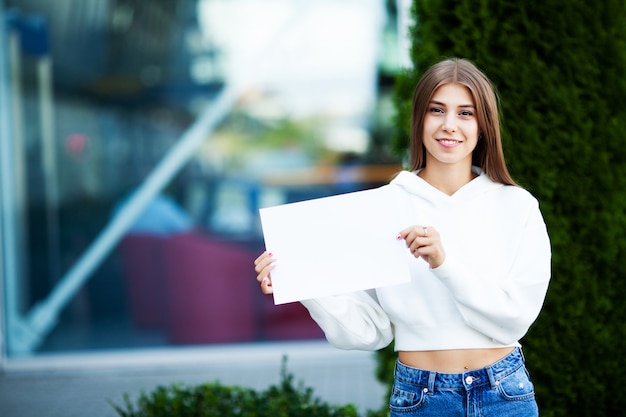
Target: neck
447, 179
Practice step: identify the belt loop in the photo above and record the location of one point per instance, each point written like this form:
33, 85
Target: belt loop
492, 379
431, 381
519, 349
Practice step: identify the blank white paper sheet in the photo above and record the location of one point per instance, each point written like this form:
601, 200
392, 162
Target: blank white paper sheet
337, 244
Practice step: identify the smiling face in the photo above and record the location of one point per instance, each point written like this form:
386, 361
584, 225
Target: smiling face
450, 128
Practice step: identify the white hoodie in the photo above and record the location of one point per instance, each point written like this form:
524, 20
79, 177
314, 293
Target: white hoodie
486, 294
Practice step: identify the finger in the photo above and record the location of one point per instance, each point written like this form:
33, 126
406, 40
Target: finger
411, 233
419, 242
431, 254
424, 250
408, 236
420, 250
418, 228
264, 268
265, 273
404, 233
266, 286
263, 261
262, 257
261, 266
419, 255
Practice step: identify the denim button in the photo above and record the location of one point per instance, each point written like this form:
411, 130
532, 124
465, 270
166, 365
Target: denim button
469, 380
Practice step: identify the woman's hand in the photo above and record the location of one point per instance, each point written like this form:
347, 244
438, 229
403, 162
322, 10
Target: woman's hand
263, 265
424, 242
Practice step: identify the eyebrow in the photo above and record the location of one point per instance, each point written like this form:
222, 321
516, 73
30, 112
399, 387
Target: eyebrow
444, 105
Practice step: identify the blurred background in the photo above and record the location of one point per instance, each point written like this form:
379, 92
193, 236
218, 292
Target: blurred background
138, 139
141, 138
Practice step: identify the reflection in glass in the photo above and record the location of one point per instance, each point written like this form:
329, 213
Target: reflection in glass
101, 104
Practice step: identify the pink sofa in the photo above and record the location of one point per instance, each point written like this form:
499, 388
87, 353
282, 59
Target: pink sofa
203, 290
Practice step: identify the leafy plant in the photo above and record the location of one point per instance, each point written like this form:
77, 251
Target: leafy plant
217, 400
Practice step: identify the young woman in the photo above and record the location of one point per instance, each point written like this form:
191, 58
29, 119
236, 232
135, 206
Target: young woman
479, 257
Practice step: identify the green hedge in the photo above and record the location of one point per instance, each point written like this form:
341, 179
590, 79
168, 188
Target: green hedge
217, 400
560, 68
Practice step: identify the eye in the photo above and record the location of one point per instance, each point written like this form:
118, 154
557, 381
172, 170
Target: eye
436, 110
466, 113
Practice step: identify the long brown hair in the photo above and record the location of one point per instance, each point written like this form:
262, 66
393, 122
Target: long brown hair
488, 153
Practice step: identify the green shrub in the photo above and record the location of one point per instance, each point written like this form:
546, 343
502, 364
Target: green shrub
559, 67
216, 400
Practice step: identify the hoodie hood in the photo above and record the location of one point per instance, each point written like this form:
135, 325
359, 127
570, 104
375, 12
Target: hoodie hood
410, 182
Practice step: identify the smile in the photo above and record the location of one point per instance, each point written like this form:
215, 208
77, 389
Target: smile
448, 142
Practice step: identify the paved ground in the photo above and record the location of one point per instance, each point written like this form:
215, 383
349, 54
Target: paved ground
79, 385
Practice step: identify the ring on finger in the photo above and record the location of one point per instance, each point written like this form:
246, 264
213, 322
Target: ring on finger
425, 230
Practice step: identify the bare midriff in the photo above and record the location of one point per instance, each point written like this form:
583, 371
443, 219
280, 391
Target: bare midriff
453, 361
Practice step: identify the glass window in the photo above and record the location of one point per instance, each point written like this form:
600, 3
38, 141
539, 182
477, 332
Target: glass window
144, 138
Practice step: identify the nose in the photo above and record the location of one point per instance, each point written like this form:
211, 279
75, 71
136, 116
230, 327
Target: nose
449, 125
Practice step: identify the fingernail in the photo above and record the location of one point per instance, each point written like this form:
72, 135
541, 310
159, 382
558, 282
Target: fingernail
399, 237
270, 254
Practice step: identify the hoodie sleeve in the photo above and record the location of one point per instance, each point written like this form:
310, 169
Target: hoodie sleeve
352, 321
503, 308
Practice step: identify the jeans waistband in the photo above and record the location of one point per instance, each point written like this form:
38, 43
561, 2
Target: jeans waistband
488, 375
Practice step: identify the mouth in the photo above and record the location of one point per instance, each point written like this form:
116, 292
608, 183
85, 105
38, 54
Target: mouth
448, 142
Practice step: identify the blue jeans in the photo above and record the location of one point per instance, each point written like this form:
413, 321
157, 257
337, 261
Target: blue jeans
501, 389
